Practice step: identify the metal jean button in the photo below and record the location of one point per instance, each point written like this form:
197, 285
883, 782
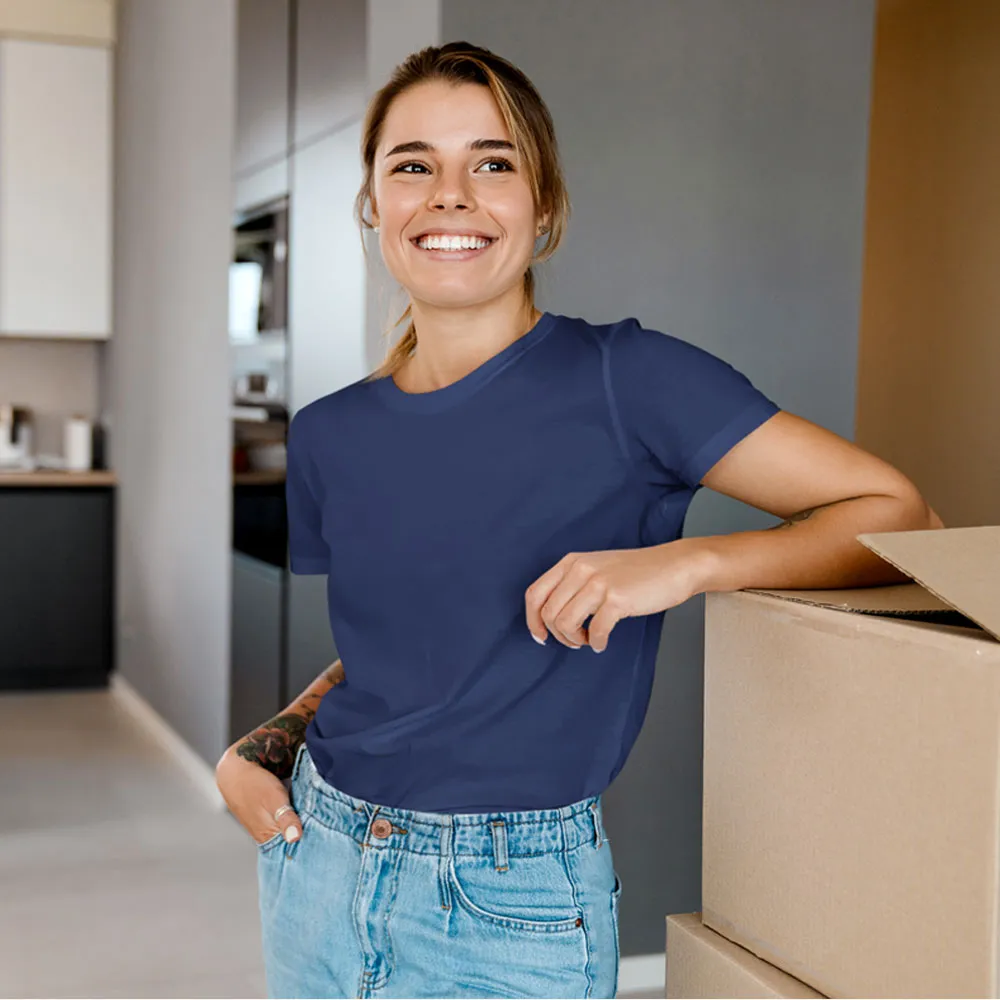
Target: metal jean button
381, 827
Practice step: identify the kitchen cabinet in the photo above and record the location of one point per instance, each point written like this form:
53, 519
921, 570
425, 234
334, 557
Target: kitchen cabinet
256, 643
330, 65
311, 648
280, 640
55, 189
261, 86
327, 278
56, 586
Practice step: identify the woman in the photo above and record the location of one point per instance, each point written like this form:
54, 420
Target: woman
508, 475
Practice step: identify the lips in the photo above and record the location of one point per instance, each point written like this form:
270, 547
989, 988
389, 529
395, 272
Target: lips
449, 253
452, 232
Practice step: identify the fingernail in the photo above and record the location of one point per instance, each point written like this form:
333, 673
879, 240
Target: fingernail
541, 642
291, 833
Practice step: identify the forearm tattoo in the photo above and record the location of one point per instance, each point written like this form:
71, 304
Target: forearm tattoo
803, 515
800, 516
274, 744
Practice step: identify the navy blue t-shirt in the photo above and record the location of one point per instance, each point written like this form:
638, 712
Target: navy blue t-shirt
433, 512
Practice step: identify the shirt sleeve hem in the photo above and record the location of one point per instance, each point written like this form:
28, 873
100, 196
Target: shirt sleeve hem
308, 565
724, 440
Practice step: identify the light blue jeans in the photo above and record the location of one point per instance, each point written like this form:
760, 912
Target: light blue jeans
373, 901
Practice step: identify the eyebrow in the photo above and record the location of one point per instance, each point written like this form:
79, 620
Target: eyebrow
420, 146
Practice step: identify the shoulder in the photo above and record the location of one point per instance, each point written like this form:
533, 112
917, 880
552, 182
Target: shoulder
636, 349
316, 417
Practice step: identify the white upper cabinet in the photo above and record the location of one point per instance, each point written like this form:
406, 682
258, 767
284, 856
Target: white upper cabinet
55, 189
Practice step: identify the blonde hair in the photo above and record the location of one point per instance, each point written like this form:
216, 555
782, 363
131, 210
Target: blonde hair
530, 126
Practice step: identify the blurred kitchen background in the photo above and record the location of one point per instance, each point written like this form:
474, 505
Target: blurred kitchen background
806, 189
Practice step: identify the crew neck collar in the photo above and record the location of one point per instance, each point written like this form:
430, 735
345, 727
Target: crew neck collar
440, 399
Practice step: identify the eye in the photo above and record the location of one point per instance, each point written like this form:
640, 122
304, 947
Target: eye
505, 165
401, 168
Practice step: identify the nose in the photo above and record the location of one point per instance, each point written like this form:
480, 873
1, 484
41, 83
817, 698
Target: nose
452, 191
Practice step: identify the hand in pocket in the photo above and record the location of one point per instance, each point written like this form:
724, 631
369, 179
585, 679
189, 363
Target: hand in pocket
254, 795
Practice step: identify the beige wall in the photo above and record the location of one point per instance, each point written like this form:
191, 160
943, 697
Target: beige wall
54, 379
929, 361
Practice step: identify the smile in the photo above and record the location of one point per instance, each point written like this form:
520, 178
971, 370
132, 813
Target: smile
453, 247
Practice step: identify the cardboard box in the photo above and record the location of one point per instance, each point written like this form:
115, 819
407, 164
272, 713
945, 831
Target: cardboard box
701, 963
852, 768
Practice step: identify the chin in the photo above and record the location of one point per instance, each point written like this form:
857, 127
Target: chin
451, 298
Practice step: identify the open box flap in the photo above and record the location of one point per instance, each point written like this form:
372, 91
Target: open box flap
959, 565
899, 599
955, 568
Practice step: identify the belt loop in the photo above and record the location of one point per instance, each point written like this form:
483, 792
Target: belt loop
309, 799
598, 826
297, 764
447, 830
500, 860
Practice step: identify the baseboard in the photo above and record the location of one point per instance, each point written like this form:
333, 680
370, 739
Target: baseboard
201, 774
642, 973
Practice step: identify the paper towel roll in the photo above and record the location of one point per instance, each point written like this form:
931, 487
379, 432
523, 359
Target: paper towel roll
77, 444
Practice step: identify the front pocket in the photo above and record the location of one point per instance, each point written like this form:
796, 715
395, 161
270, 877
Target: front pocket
266, 845
533, 894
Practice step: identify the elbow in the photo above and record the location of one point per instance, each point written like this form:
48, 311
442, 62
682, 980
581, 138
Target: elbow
927, 518
935, 520
920, 515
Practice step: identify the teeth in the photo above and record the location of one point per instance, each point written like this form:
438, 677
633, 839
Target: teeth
452, 242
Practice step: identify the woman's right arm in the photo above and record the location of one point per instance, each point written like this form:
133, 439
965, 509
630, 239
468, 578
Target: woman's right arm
248, 772
274, 744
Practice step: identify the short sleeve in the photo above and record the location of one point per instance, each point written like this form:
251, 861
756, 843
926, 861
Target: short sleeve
307, 549
683, 407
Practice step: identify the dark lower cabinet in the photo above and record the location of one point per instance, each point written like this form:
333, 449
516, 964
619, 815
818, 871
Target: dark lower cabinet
56, 587
281, 640
257, 642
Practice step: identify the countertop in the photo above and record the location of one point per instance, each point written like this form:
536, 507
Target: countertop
264, 477
56, 478
53, 477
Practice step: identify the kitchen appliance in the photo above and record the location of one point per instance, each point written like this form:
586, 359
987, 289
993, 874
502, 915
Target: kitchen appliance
16, 433
255, 387
258, 276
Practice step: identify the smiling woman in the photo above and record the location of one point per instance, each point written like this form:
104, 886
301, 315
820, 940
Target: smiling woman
459, 144
507, 476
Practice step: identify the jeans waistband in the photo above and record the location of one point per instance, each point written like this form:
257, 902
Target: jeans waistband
500, 834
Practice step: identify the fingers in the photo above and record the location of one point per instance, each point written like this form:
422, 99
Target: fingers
288, 823
544, 599
535, 596
561, 600
569, 620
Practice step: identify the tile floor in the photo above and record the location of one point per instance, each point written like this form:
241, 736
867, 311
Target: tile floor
117, 878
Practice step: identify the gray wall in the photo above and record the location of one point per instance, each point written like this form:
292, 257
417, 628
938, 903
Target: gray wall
168, 362
715, 152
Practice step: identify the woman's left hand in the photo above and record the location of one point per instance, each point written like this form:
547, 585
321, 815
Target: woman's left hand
610, 585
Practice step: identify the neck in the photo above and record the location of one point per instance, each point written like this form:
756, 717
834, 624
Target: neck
451, 342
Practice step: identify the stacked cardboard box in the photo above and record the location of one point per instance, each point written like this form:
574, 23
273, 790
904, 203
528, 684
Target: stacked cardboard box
701, 963
852, 774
